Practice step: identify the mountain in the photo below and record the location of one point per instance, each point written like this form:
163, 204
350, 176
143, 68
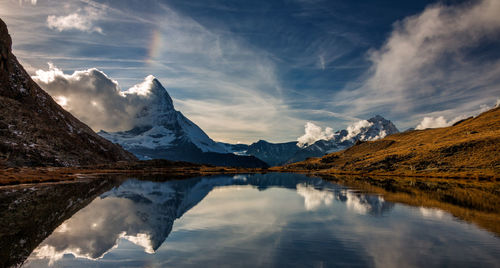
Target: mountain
273, 153
276, 154
469, 148
35, 130
372, 129
161, 132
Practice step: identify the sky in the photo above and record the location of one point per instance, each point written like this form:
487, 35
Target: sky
250, 70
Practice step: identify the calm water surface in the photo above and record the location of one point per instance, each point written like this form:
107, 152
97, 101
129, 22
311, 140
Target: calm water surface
272, 220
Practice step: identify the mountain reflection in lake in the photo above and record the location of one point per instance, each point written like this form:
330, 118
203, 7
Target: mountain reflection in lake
259, 220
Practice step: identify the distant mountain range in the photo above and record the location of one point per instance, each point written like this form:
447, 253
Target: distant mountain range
35, 130
276, 154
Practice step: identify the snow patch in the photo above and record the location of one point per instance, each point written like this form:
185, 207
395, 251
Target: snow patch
157, 136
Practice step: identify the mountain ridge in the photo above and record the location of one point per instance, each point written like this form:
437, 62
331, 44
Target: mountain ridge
276, 154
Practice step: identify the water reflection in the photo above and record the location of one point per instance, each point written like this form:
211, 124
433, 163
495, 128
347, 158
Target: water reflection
257, 220
29, 214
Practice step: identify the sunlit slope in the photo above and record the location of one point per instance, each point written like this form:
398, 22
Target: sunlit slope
468, 148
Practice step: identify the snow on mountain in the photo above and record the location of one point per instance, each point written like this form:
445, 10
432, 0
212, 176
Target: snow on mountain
237, 149
374, 128
158, 124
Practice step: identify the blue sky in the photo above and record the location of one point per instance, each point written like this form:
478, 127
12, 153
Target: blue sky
249, 70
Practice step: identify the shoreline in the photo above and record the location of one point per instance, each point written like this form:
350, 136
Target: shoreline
34, 175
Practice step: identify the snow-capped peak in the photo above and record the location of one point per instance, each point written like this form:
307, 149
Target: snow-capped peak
374, 128
158, 124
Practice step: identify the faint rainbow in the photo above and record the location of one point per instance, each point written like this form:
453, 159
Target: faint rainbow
154, 46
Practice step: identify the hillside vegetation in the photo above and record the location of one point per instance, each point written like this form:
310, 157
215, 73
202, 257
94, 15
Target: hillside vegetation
469, 148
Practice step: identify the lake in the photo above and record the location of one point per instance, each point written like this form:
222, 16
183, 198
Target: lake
258, 220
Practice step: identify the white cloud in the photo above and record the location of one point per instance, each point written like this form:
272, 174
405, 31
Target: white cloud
381, 135
433, 122
33, 2
427, 63
356, 128
314, 133
357, 203
322, 62
94, 98
314, 198
440, 121
82, 20
432, 213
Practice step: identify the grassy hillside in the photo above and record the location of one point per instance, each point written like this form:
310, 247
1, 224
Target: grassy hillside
470, 148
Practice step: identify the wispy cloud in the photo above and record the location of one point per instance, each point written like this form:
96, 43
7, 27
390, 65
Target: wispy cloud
33, 2
428, 62
81, 20
432, 122
269, 72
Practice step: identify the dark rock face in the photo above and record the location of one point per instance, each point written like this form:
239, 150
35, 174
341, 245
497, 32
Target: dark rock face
35, 130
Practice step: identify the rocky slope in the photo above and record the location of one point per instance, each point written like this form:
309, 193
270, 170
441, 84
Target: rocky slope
35, 130
470, 148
